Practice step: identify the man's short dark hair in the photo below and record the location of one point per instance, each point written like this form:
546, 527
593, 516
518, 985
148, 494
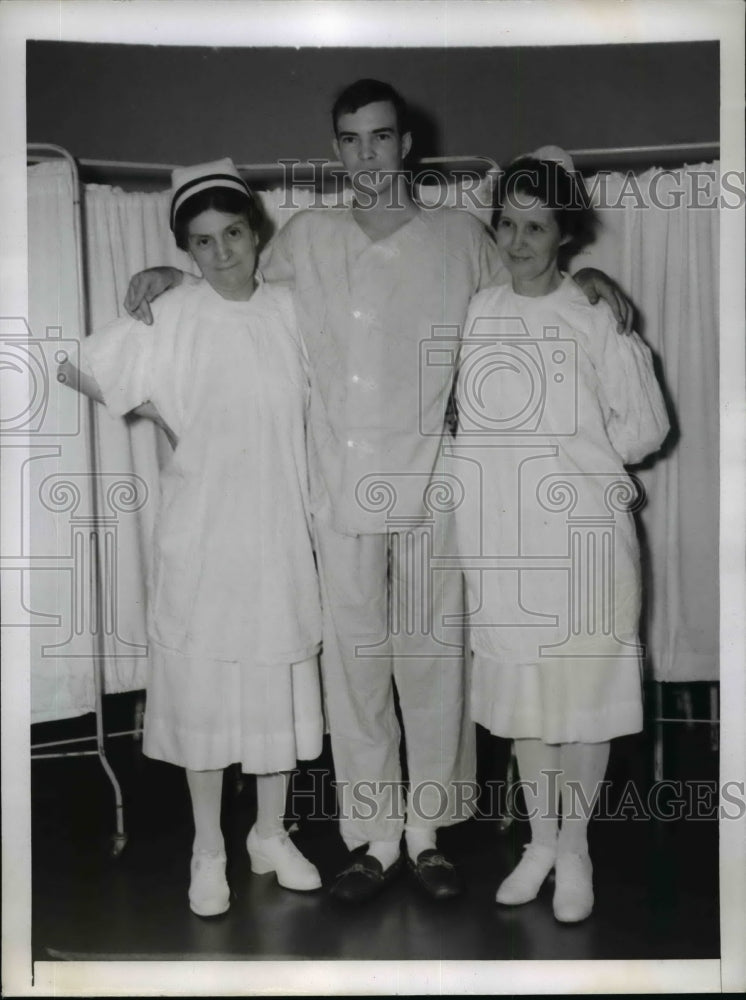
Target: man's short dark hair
364, 92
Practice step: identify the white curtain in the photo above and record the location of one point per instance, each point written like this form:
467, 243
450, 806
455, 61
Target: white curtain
666, 258
53, 485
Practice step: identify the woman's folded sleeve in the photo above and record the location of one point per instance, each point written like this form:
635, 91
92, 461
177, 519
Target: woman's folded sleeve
636, 418
120, 358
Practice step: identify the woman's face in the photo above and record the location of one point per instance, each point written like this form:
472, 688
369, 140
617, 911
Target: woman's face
528, 240
224, 247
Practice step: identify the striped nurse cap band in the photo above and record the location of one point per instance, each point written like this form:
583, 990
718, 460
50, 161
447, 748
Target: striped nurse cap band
188, 181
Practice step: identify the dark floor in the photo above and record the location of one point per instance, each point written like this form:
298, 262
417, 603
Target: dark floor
656, 882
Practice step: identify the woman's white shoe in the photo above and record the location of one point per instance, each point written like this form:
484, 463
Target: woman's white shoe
573, 890
524, 882
209, 894
280, 855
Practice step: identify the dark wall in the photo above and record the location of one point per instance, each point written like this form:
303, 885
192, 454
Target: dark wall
179, 105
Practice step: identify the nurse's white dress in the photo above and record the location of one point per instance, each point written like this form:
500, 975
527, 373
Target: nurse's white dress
234, 615
553, 403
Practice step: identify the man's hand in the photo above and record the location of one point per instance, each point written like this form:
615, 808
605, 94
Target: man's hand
596, 285
146, 286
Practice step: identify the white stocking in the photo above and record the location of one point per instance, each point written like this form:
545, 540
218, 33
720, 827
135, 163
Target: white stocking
206, 792
271, 803
583, 769
538, 763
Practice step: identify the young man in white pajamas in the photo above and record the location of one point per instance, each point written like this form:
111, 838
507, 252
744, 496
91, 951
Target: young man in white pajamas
372, 284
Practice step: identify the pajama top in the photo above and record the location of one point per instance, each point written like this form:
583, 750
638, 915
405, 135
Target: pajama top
382, 322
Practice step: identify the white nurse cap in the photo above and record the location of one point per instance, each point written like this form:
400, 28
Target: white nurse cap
556, 155
188, 181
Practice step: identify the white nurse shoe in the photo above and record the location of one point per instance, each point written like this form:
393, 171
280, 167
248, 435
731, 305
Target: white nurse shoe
524, 882
280, 855
573, 888
209, 895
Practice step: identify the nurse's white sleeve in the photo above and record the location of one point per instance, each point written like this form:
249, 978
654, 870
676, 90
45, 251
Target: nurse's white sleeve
120, 357
636, 417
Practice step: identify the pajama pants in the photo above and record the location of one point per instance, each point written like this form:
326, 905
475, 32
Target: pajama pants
383, 623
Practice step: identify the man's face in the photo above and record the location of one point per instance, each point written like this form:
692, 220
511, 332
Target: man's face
369, 145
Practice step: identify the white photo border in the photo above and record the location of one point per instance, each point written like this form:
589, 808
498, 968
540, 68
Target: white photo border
381, 23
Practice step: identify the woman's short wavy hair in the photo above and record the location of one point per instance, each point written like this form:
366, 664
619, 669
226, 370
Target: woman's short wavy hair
551, 185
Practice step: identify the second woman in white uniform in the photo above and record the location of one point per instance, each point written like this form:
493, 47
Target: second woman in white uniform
552, 404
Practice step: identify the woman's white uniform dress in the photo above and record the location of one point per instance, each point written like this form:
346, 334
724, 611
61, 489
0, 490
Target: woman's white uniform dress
234, 616
553, 402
